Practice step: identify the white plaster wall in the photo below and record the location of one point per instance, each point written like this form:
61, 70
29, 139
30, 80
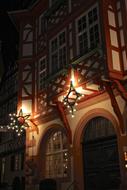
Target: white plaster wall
73, 122
113, 37
111, 18
116, 60
124, 59
106, 104
27, 49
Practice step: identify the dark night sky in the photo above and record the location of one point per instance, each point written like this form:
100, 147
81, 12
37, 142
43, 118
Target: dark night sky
10, 5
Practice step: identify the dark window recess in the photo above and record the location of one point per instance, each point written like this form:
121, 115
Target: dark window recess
22, 161
12, 163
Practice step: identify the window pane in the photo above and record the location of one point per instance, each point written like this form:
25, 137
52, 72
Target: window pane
62, 38
54, 45
88, 31
92, 16
62, 57
58, 52
82, 24
57, 156
83, 43
94, 36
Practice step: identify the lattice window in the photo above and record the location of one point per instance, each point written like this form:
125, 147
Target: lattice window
42, 72
58, 52
88, 31
57, 156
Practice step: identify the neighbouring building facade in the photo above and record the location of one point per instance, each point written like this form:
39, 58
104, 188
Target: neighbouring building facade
70, 48
12, 148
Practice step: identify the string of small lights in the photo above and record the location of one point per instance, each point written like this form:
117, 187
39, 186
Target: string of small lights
18, 123
71, 98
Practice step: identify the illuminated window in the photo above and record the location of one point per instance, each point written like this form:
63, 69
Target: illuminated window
58, 52
88, 31
57, 156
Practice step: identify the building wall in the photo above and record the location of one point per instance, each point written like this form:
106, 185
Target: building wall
88, 111
104, 69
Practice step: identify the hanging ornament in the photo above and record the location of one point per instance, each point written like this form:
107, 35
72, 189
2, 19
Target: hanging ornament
19, 123
72, 96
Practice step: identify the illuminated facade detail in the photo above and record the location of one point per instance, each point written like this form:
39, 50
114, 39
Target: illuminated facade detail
20, 122
71, 98
57, 156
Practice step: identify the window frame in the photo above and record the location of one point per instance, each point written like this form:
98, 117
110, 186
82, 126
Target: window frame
55, 176
57, 51
88, 27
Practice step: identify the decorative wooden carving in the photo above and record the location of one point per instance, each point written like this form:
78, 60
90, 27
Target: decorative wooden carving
121, 89
89, 71
115, 105
27, 41
56, 13
27, 83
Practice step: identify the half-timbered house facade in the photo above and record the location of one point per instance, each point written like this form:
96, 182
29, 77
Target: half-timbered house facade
72, 49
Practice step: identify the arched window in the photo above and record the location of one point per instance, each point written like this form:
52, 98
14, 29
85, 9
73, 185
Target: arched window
57, 156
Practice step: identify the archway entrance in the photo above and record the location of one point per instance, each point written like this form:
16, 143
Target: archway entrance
100, 156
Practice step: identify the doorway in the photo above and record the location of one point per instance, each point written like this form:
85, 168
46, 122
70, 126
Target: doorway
100, 156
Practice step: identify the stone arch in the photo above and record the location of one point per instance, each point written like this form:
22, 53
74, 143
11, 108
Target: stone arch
78, 138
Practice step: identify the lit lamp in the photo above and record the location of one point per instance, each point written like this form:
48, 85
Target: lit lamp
72, 96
